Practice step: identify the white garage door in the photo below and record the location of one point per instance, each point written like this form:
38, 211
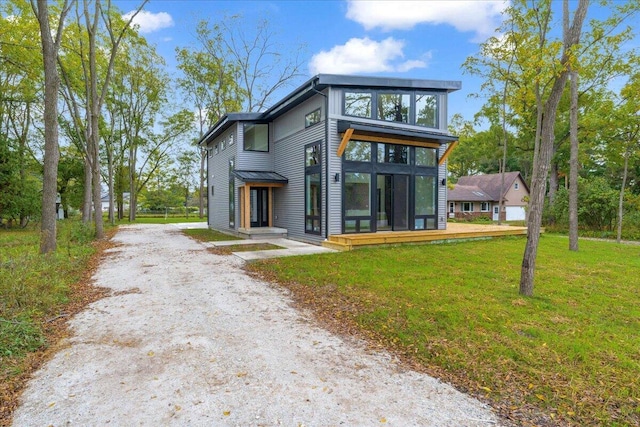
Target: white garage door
515, 213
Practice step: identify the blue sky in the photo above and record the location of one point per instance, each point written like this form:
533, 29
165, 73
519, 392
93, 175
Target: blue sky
412, 39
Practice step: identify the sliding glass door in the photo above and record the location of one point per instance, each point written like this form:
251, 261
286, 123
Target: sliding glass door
392, 202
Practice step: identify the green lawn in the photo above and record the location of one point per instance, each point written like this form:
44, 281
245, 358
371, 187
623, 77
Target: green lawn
34, 287
570, 354
208, 235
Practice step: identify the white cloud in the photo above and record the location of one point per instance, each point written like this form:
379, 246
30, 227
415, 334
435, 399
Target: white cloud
481, 17
148, 22
363, 55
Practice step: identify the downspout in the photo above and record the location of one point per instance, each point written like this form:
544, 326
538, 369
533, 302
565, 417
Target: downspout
326, 158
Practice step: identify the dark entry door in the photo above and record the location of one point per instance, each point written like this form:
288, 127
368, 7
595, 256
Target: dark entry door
393, 202
259, 199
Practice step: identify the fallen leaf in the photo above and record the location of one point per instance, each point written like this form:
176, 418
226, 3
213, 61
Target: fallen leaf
151, 353
226, 413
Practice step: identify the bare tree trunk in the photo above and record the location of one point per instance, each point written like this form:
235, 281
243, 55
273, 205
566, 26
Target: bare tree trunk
553, 181
573, 163
50, 47
543, 160
621, 200
87, 199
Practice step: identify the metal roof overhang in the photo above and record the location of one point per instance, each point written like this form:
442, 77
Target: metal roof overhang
389, 135
260, 177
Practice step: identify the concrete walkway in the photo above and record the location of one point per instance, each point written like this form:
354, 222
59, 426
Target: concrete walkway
291, 247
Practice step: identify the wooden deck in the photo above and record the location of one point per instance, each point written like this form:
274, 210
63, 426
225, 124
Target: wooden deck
347, 242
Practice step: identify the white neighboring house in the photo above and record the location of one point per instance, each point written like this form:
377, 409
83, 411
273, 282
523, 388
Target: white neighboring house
479, 196
105, 201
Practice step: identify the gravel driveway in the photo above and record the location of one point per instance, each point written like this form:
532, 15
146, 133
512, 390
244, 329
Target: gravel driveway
186, 338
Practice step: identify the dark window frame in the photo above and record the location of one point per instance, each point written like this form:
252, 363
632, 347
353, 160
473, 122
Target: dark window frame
310, 118
313, 169
244, 131
413, 94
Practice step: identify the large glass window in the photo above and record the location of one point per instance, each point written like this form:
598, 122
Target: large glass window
357, 104
394, 107
427, 110
425, 156
357, 202
313, 189
232, 193
358, 151
256, 137
393, 153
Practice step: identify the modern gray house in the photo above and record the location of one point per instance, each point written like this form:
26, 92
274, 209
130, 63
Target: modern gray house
340, 154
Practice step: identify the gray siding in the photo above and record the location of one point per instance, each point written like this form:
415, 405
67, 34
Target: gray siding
335, 188
254, 160
218, 170
293, 121
289, 200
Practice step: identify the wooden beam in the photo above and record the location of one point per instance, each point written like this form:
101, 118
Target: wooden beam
345, 140
247, 206
447, 152
241, 204
270, 202
395, 140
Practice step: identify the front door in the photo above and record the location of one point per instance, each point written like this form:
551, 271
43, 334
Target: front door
496, 213
393, 202
259, 200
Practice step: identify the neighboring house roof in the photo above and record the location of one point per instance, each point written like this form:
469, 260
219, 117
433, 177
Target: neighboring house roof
491, 183
259, 176
318, 83
468, 193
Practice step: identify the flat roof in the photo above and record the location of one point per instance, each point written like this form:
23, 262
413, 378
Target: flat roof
319, 83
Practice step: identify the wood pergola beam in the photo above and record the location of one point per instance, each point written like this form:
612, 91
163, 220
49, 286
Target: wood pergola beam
447, 152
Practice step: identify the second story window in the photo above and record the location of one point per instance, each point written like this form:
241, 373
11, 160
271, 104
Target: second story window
357, 104
256, 137
394, 107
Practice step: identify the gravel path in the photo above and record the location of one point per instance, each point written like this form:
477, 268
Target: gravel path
186, 338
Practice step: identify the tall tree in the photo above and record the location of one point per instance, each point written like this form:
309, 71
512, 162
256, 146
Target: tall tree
542, 161
50, 48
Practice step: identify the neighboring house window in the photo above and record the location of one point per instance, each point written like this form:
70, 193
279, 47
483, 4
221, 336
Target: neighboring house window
394, 107
212, 190
357, 104
485, 207
216, 148
466, 207
223, 144
256, 137
209, 152
232, 193
230, 139
312, 188
516, 186
312, 118
451, 207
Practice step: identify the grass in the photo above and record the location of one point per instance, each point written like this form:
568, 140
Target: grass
34, 287
208, 235
568, 355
